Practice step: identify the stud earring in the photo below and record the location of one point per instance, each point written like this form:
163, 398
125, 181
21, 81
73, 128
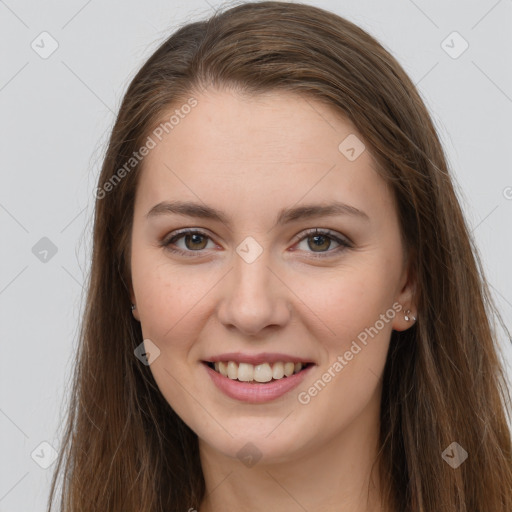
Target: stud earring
408, 316
133, 306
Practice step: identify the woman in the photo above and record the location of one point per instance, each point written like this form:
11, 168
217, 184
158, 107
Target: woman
285, 310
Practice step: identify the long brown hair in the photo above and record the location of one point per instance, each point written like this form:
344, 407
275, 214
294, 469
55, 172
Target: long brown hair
124, 449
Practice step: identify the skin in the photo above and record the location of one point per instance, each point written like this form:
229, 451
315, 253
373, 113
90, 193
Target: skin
251, 156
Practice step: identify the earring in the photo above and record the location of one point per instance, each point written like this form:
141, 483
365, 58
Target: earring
407, 317
133, 306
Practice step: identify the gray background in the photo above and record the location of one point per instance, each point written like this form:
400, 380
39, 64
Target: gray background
56, 113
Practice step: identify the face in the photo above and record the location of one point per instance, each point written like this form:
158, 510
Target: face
251, 278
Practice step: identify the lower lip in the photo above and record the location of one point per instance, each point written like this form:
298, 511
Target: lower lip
255, 392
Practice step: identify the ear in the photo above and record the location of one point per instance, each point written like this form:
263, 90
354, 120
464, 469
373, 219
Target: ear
406, 316
135, 311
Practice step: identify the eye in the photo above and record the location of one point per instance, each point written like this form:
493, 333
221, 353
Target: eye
195, 241
322, 239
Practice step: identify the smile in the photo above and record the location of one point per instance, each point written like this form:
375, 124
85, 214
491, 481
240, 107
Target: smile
260, 373
257, 382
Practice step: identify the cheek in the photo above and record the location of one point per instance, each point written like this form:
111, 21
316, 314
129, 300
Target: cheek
161, 294
350, 301
359, 315
169, 304
170, 300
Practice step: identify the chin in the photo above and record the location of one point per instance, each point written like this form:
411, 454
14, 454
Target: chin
257, 442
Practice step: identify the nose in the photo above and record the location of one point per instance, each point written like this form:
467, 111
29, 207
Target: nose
254, 297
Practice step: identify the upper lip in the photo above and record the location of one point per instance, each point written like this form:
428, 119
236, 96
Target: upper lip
255, 359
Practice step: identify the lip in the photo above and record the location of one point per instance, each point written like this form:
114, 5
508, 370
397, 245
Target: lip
256, 392
254, 359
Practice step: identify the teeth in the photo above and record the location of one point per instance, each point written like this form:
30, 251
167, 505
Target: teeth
264, 372
278, 371
289, 368
245, 372
232, 370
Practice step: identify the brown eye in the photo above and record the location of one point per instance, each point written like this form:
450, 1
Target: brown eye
194, 242
320, 241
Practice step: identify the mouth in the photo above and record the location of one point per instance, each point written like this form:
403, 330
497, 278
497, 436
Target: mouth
260, 373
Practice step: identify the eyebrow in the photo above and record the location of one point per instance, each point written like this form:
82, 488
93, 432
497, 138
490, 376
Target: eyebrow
285, 215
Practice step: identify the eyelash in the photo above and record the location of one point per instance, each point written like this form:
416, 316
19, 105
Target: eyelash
344, 243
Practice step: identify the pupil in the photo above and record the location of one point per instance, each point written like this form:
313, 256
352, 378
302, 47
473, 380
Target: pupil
194, 237
316, 237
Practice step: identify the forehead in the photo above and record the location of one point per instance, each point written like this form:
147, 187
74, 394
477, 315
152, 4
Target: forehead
261, 151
